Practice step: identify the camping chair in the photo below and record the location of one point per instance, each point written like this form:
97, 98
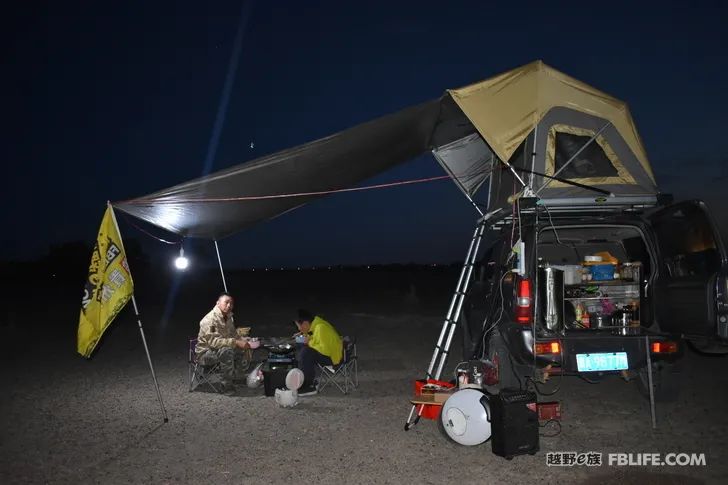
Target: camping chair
201, 372
345, 374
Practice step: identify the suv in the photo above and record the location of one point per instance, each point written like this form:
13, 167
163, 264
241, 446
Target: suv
545, 311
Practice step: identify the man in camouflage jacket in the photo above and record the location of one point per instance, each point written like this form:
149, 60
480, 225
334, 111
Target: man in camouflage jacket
218, 341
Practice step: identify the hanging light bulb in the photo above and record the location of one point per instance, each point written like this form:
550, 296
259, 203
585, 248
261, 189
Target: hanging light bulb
181, 263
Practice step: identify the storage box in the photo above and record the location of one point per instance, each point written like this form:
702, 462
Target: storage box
572, 273
602, 272
430, 411
274, 376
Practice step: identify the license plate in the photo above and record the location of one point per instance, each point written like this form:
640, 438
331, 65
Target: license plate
602, 361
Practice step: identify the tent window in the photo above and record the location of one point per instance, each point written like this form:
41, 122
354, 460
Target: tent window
591, 162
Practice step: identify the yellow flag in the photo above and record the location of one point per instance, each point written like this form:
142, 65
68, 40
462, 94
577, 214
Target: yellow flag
108, 288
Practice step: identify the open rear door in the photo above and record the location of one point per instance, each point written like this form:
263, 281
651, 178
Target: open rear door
690, 289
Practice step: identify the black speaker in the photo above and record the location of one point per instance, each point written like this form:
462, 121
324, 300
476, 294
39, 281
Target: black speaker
514, 423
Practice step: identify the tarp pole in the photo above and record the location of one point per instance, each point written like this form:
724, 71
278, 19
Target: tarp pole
141, 331
533, 154
149, 359
515, 174
649, 382
219, 261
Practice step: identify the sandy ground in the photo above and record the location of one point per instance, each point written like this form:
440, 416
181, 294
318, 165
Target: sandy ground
68, 420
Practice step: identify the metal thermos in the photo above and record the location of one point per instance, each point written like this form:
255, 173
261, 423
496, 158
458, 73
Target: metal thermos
622, 319
551, 292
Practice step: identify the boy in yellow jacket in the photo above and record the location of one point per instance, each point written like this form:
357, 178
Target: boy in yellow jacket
321, 345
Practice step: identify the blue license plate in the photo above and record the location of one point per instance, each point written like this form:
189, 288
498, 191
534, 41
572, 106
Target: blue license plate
602, 361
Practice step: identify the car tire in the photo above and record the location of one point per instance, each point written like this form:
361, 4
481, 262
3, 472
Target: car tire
707, 348
665, 381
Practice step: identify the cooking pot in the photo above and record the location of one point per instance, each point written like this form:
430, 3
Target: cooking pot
599, 320
281, 348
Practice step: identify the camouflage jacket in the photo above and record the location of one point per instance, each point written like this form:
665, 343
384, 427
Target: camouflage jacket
216, 332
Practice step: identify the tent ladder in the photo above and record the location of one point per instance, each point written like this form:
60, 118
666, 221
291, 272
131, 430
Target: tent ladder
442, 348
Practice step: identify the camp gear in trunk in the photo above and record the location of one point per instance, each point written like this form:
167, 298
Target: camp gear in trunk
623, 319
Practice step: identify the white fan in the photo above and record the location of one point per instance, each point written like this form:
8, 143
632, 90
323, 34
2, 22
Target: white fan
466, 417
294, 379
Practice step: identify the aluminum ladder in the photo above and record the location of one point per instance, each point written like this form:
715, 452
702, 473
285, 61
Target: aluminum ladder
442, 347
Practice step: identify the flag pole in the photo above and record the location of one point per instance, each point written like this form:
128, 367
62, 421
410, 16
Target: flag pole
224, 285
139, 322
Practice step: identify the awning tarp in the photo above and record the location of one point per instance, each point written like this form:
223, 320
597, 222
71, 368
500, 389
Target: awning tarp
206, 207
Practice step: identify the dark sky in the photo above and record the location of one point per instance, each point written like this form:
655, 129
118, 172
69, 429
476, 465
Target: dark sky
113, 100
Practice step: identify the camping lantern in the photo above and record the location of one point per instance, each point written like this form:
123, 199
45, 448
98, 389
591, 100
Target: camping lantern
181, 263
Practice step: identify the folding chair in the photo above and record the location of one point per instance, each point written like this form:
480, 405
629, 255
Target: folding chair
345, 374
200, 372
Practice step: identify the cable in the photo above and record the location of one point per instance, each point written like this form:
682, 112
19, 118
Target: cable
143, 200
500, 315
586, 379
553, 228
543, 393
518, 211
281, 196
552, 434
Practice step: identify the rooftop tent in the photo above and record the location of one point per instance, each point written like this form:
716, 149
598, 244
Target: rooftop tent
520, 125
544, 122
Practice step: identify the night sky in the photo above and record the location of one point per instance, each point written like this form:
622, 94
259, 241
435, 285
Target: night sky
114, 100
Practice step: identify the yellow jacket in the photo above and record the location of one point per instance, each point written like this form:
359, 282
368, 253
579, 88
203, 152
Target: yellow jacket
325, 340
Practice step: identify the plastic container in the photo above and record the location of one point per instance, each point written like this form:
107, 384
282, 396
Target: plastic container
602, 272
572, 273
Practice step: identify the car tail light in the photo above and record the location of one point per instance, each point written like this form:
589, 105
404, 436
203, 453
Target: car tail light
524, 302
664, 347
552, 347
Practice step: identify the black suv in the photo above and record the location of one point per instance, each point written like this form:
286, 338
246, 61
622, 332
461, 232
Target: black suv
552, 313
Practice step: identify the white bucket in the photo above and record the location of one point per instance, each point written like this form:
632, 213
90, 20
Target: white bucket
572, 273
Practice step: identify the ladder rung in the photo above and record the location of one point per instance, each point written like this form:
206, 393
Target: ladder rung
460, 293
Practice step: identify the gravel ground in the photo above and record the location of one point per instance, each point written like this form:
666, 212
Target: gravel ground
68, 420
